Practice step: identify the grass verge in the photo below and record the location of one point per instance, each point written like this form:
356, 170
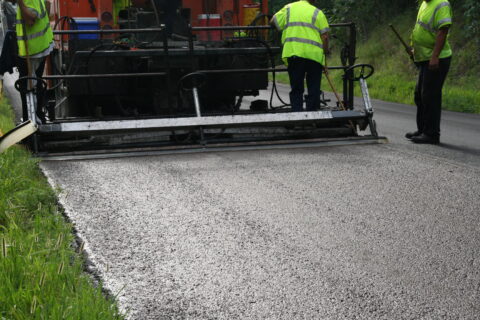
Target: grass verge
41, 275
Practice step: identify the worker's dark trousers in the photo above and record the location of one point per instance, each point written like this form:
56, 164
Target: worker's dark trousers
297, 69
428, 97
23, 72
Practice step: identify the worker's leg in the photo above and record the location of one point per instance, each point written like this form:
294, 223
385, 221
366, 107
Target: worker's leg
23, 72
296, 73
422, 67
39, 69
432, 98
314, 78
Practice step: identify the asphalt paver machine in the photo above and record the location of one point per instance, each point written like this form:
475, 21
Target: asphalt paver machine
183, 75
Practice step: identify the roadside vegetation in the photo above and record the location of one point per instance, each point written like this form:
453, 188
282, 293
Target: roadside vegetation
395, 75
41, 274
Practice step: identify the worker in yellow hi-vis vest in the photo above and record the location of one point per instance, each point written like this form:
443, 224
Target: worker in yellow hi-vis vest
35, 42
305, 43
432, 54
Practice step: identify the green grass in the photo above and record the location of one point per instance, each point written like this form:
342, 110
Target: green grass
41, 275
395, 76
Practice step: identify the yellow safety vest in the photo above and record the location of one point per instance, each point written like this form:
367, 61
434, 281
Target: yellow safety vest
432, 16
302, 24
39, 35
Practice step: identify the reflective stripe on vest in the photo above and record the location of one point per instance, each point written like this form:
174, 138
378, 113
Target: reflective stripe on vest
275, 21
39, 35
315, 15
302, 40
307, 25
303, 26
34, 35
42, 15
429, 26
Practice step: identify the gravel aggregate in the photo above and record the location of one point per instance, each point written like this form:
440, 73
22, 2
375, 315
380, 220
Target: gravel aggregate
363, 232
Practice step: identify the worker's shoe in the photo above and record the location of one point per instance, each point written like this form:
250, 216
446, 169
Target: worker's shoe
423, 138
410, 135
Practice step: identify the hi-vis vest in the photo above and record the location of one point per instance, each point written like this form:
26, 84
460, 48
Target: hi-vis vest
39, 35
432, 16
302, 25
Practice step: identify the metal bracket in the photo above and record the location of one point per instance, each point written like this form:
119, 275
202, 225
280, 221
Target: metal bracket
368, 107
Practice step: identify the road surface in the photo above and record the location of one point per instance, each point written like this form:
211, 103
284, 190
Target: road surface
364, 232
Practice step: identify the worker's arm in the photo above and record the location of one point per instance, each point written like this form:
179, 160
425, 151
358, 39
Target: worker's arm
28, 15
48, 6
279, 19
440, 40
325, 40
324, 28
274, 23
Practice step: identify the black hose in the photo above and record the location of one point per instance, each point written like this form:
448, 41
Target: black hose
92, 6
272, 61
274, 84
87, 63
25, 90
72, 47
155, 11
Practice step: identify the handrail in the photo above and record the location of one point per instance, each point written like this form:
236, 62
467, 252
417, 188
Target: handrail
151, 30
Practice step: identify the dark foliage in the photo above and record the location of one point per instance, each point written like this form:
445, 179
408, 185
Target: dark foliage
370, 13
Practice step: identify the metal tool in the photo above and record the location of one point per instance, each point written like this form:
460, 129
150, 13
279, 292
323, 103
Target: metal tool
405, 45
325, 71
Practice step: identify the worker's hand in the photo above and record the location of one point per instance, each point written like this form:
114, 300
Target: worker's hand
434, 63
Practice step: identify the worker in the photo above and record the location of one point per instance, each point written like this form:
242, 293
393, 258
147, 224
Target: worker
432, 54
35, 42
8, 58
305, 43
10, 13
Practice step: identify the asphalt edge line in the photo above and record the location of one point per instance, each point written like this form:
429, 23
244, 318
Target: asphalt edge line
90, 265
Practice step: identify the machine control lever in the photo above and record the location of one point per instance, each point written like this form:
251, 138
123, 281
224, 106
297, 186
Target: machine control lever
192, 82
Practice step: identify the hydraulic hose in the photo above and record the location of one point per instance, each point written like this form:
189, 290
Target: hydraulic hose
274, 90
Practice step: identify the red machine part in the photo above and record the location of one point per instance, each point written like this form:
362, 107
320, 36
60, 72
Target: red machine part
100, 9
231, 11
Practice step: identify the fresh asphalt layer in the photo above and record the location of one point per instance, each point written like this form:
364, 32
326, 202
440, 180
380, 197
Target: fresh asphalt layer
360, 232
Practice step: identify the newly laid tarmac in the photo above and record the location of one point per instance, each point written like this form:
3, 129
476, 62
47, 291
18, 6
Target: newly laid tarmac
360, 232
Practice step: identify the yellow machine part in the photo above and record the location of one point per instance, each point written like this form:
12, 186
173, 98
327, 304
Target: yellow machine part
250, 17
117, 6
249, 13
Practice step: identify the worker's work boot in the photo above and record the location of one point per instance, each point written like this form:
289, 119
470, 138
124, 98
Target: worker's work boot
312, 104
410, 135
423, 138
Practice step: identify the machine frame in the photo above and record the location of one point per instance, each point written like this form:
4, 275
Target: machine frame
200, 129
